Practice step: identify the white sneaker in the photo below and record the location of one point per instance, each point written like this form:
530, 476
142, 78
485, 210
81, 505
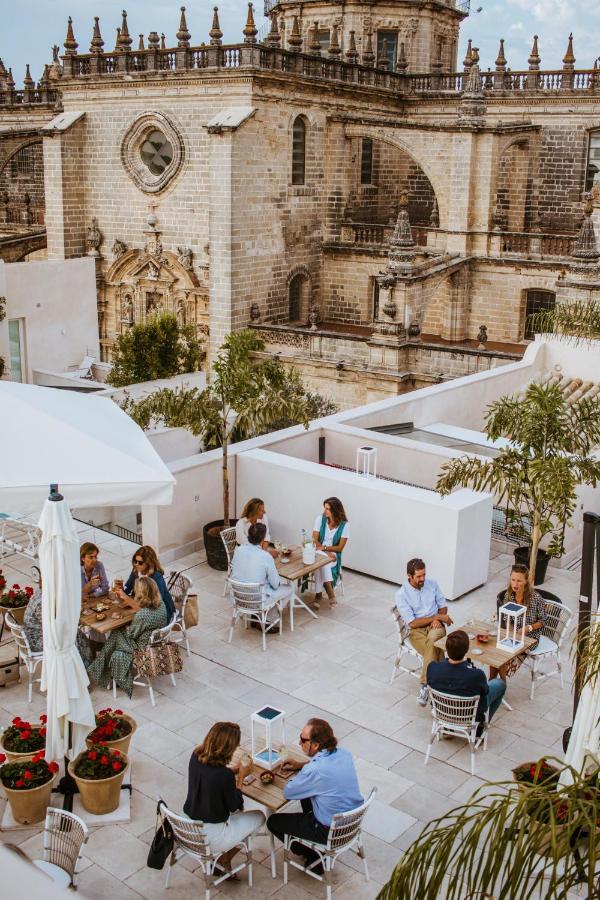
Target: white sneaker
423, 695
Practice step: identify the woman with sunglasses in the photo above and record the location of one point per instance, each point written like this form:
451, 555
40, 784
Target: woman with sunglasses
145, 562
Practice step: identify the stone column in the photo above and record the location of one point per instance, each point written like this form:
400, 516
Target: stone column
220, 218
63, 189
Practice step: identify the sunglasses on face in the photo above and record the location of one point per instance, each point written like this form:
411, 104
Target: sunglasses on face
138, 562
304, 740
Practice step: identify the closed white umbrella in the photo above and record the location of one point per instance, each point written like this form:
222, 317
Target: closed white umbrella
584, 743
63, 673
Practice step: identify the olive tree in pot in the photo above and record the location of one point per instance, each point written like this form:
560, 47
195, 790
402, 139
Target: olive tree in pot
548, 453
244, 397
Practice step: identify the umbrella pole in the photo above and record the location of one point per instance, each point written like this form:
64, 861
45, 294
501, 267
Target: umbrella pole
67, 784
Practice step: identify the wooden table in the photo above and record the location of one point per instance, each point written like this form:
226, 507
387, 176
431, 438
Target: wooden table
294, 570
491, 655
87, 617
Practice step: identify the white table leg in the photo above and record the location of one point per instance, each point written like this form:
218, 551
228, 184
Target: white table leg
273, 864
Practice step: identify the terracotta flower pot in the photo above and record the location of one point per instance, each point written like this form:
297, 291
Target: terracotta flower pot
11, 756
17, 612
121, 744
29, 807
99, 795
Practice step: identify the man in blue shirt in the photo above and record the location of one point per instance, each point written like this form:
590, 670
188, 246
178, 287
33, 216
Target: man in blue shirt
424, 609
457, 675
326, 784
253, 565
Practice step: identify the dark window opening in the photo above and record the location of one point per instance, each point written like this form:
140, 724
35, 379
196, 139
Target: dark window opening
391, 46
375, 299
593, 167
23, 163
366, 161
323, 39
295, 298
298, 151
537, 301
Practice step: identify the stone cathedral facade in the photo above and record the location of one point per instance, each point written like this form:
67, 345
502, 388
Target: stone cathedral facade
383, 213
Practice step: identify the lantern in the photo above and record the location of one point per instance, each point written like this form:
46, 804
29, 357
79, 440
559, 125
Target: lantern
263, 752
511, 617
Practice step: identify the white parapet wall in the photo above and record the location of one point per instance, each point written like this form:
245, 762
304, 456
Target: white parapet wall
390, 523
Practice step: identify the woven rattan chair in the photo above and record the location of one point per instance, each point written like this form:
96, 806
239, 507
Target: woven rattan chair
158, 636
552, 636
26, 655
455, 716
405, 646
179, 586
229, 538
191, 840
64, 836
345, 834
252, 603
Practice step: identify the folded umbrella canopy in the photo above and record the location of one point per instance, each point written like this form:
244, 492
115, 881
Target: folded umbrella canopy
583, 751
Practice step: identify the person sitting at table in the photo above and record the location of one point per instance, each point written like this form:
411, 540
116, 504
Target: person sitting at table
519, 590
330, 534
326, 784
94, 582
32, 624
115, 659
252, 565
253, 512
457, 675
145, 562
424, 610
214, 793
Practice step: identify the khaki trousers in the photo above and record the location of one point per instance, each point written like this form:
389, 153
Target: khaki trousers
423, 640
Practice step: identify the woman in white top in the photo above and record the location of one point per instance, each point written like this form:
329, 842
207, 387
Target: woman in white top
254, 511
330, 533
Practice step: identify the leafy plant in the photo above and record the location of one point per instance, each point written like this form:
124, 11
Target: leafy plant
110, 726
23, 776
579, 320
23, 737
100, 762
548, 455
16, 597
158, 348
244, 398
540, 772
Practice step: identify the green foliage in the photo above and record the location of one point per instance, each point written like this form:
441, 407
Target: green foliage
507, 844
100, 762
23, 776
548, 455
244, 398
578, 321
158, 348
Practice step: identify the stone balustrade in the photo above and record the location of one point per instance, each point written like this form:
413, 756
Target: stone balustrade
28, 97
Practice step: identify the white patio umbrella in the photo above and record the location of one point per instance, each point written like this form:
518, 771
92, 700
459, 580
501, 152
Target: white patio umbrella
584, 743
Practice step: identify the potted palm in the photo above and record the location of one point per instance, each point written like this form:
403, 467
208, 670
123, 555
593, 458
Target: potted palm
28, 786
22, 741
114, 729
14, 600
245, 397
98, 773
548, 453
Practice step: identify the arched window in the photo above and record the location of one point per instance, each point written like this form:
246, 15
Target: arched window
593, 165
298, 151
299, 291
366, 161
536, 301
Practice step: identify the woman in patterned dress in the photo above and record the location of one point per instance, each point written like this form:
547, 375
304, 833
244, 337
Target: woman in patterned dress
520, 591
115, 660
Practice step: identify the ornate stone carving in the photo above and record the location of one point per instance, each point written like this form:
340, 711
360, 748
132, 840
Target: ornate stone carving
153, 272
389, 307
185, 257
585, 247
414, 331
482, 337
127, 310
118, 248
255, 312
314, 317
93, 239
150, 164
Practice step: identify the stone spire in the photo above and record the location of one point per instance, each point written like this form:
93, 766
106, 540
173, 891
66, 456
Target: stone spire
352, 52
10, 81
274, 37
569, 57
468, 56
383, 61
70, 43
402, 246
45, 76
97, 43
118, 41
368, 57
28, 80
56, 68
314, 45
334, 44
215, 33
250, 29
402, 62
2, 68
501, 59
585, 247
153, 40
141, 43
534, 57
183, 36
295, 38
163, 42
124, 38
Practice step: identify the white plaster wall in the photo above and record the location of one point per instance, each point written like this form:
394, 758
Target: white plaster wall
390, 523
57, 299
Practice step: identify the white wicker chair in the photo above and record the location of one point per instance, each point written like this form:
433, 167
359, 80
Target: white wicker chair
229, 538
345, 834
179, 587
191, 840
158, 636
26, 655
64, 836
558, 619
456, 717
405, 646
251, 601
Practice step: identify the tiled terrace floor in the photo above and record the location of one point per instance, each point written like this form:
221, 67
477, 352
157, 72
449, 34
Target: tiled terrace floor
337, 667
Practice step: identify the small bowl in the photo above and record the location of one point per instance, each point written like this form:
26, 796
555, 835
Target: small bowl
100, 617
267, 777
483, 638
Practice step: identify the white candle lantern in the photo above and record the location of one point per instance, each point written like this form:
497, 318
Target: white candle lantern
263, 753
512, 617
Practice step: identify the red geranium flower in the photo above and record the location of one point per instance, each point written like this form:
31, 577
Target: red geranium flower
43, 718
25, 735
11, 595
2, 757
17, 587
27, 775
20, 783
92, 754
16, 720
116, 752
53, 766
104, 760
43, 732
103, 743
118, 712
117, 766
29, 591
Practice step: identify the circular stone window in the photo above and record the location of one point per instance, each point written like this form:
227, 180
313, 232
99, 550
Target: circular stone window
152, 152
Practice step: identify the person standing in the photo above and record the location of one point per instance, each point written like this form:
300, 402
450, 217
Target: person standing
330, 534
424, 610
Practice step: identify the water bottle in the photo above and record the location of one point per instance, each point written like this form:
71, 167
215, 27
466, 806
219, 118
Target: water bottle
303, 538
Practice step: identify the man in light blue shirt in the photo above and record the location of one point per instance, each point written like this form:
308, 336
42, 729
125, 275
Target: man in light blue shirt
326, 784
253, 565
424, 609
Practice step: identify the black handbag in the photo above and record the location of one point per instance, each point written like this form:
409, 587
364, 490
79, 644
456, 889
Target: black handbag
162, 842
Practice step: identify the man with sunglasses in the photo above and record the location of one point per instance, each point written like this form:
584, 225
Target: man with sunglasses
326, 784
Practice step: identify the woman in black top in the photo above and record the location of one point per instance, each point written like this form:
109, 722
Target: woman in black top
214, 795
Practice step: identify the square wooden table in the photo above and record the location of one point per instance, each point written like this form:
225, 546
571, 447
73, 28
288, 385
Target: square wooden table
88, 614
490, 655
294, 570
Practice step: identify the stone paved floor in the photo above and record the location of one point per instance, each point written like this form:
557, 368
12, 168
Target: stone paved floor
337, 667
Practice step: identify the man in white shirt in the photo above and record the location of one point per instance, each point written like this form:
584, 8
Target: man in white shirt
253, 565
424, 609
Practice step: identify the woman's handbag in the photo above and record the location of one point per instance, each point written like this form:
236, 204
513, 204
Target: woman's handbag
190, 614
162, 842
158, 659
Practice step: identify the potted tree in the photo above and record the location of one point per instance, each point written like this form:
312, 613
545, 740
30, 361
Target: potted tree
548, 454
22, 741
14, 600
98, 773
114, 729
245, 397
28, 786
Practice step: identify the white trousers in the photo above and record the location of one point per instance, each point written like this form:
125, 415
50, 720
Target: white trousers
321, 576
222, 836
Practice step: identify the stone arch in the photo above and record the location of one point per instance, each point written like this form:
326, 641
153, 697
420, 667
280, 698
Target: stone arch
514, 204
22, 184
299, 289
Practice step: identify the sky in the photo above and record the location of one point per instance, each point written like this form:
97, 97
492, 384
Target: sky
31, 27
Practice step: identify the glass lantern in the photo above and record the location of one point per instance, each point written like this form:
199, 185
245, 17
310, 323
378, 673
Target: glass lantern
511, 617
267, 720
